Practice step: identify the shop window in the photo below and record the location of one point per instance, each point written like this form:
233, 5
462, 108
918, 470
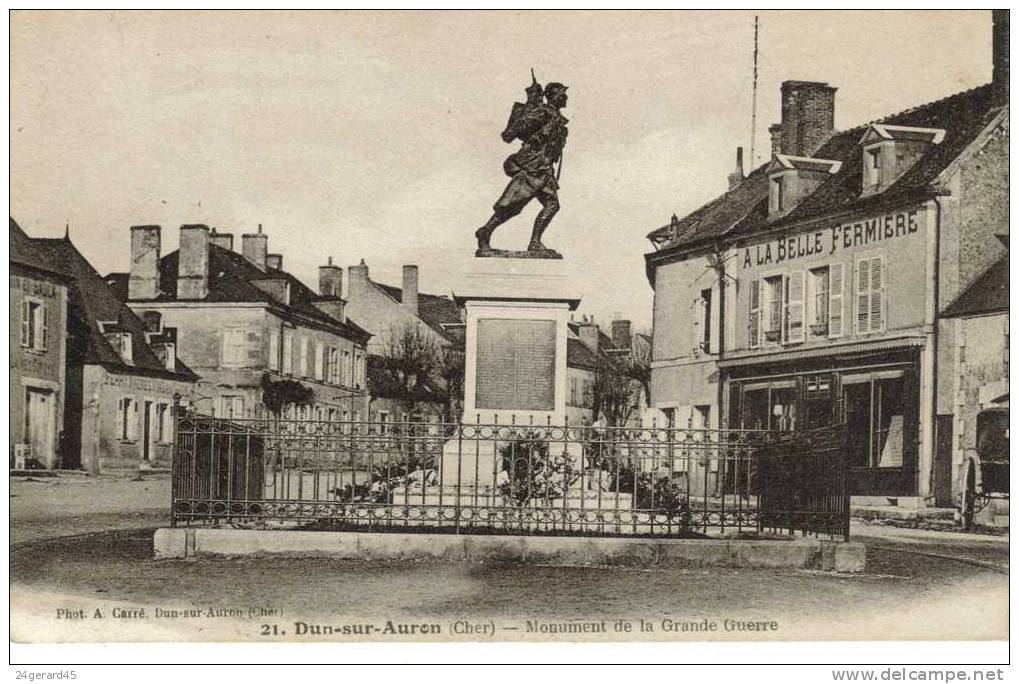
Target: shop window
756, 409
783, 409
869, 295
875, 422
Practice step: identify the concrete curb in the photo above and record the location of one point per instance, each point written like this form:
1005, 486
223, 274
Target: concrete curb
811, 554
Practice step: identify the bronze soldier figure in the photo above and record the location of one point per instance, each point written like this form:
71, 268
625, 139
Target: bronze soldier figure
541, 127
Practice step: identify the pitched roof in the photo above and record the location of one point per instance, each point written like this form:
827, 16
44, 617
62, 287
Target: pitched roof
437, 311
92, 301
26, 253
743, 211
988, 293
579, 355
231, 279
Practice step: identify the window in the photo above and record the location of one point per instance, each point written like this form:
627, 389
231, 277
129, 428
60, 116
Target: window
304, 356
164, 431
817, 301
333, 365
274, 351
573, 391
869, 296
127, 419
345, 370
125, 348
288, 353
705, 341
233, 406
875, 420
34, 325
773, 307
320, 351
872, 162
777, 195
234, 350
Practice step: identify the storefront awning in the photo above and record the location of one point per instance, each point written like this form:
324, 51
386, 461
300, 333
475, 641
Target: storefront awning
836, 351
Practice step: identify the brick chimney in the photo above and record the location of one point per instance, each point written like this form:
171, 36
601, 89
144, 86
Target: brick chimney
621, 333
775, 131
224, 240
808, 116
143, 281
330, 280
254, 247
193, 262
736, 177
999, 56
274, 261
410, 288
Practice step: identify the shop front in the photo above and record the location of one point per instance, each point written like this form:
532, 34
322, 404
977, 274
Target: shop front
872, 389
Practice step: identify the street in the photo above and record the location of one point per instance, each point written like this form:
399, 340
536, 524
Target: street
947, 585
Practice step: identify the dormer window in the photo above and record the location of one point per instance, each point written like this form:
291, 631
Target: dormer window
889, 151
124, 346
793, 179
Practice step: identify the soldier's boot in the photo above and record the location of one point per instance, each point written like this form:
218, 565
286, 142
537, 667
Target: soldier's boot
540, 224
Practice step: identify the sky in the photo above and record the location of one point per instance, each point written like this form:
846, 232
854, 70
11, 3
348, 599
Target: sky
375, 136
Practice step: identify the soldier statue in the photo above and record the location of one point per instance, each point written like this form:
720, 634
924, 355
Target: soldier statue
541, 127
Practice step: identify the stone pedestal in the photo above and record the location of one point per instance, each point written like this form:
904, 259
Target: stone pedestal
517, 312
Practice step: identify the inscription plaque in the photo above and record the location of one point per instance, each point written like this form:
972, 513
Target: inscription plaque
516, 364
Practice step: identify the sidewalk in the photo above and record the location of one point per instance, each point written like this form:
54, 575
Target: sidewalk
42, 508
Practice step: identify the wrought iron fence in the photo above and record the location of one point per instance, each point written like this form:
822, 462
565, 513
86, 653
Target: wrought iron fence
480, 478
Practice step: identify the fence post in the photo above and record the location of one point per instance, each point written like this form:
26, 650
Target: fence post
175, 464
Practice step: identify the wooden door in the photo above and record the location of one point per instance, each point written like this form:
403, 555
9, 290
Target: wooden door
39, 425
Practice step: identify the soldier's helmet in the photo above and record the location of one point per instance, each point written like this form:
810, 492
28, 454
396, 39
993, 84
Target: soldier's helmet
553, 88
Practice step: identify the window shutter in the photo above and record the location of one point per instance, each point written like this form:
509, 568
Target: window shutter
26, 322
863, 296
121, 424
45, 327
132, 425
876, 295
274, 351
836, 278
794, 307
320, 351
698, 316
754, 314
304, 357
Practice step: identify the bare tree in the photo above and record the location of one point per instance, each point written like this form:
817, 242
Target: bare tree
637, 367
614, 392
410, 356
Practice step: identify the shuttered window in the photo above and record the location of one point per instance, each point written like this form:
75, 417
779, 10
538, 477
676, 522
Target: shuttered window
234, 348
288, 353
754, 314
304, 356
274, 351
34, 325
836, 285
869, 296
320, 352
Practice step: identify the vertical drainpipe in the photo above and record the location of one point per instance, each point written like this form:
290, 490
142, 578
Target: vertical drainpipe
934, 344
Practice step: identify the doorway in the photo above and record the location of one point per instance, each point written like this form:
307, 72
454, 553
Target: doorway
39, 424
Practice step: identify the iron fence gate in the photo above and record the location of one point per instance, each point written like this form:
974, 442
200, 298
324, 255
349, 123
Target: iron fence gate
494, 478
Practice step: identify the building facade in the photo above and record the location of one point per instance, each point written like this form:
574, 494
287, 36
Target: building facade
121, 374
38, 337
241, 319
813, 291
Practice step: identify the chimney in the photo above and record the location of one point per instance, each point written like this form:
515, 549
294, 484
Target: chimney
193, 262
775, 131
736, 177
587, 331
999, 56
410, 288
143, 281
330, 280
357, 284
254, 246
224, 240
274, 261
621, 334
808, 116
